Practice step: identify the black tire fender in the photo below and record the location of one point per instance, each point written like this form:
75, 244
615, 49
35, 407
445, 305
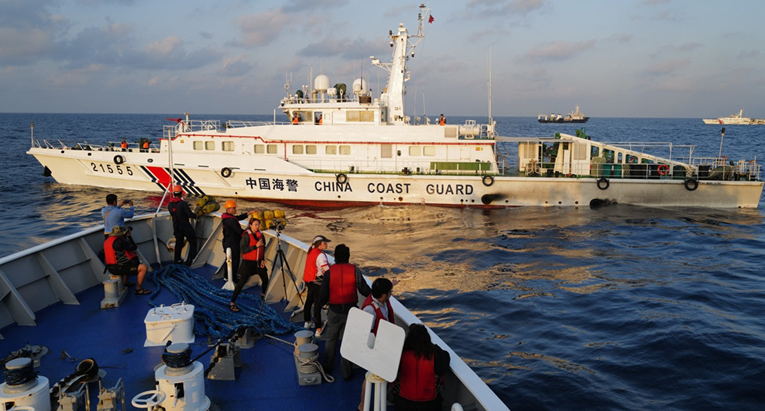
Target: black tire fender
603, 183
487, 180
225, 172
691, 184
118, 159
341, 178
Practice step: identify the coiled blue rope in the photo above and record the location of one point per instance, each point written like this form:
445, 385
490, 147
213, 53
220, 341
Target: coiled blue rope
20, 375
211, 313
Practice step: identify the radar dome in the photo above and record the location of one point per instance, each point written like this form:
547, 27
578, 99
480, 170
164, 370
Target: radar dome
321, 83
359, 86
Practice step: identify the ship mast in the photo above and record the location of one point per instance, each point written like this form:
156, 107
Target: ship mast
403, 49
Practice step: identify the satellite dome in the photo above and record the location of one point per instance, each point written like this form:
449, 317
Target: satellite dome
321, 83
359, 86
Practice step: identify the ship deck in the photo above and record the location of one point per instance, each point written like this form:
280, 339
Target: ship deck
114, 338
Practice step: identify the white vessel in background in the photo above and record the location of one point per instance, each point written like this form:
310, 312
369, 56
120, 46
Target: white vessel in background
575, 116
733, 119
360, 148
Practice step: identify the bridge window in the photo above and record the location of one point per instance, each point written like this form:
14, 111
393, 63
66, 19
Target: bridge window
310, 149
198, 145
209, 145
271, 149
228, 146
345, 150
259, 149
355, 116
386, 151
297, 149
415, 151
331, 150
429, 151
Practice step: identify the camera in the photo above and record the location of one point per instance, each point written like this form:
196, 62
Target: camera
125, 201
277, 226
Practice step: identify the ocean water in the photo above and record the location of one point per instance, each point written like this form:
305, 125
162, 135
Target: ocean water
616, 308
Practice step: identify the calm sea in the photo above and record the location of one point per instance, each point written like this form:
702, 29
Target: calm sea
619, 308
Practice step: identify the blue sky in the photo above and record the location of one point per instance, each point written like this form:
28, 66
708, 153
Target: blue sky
626, 58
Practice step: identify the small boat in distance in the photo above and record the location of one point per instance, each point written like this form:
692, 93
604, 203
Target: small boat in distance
575, 116
735, 119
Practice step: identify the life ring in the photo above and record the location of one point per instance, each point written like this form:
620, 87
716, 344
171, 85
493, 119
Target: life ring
225, 172
691, 184
487, 181
341, 178
633, 160
603, 183
663, 169
118, 159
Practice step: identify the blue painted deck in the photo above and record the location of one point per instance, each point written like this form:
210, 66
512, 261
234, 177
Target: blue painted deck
115, 338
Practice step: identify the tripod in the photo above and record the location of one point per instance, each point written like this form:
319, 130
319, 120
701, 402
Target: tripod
280, 259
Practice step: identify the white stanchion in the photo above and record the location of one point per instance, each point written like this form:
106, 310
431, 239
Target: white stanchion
229, 285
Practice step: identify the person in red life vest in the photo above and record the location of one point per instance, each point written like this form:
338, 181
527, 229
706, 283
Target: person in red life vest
420, 373
123, 145
145, 146
121, 257
316, 264
338, 289
378, 304
253, 249
182, 229
232, 234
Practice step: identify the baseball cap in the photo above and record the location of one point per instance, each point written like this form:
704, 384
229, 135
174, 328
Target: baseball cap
320, 238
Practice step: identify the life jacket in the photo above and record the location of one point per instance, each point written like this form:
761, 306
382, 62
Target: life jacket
145, 144
378, 312
417, 377
111, 255
309, 275
295, 120
442, 121
342, 284
258, 253
321, 121
124, 144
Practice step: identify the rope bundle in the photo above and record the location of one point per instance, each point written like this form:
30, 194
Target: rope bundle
21, 374
211, 314
311, 365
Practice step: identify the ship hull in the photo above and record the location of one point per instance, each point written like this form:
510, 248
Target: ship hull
304, 187
583, 120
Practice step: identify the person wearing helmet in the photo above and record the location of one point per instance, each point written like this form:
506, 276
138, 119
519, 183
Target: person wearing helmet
182, 228
232, 234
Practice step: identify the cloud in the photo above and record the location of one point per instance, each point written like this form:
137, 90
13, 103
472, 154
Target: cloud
263, 28
666, 67
236, 67
28, 31
344, 48
620, 38
477, 37
293, 6
557, 51
505, 7
745, 54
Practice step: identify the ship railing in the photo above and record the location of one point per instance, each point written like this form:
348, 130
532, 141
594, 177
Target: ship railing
244, 123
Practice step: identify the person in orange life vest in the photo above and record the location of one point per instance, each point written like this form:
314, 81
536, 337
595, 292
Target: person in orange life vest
316, 264
253, 249
232, 233
420, 373
295, 119
182, 229
442, 121
338, 289
378, 304
145, 145
123, 145
320, 120
121, 257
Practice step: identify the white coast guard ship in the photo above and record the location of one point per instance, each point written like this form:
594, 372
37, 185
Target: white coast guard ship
339, 149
